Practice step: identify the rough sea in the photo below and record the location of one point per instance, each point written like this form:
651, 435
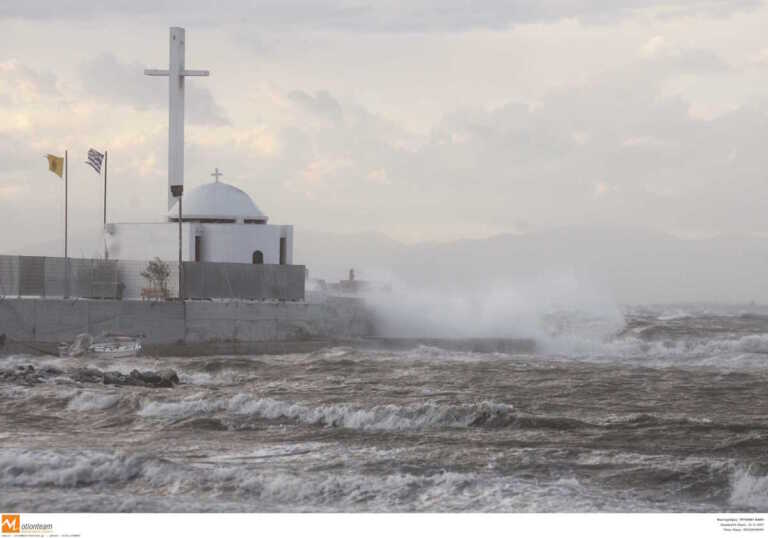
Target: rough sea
667, 411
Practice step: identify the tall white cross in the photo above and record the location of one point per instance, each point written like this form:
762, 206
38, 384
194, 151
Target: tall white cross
175, 73
216, 174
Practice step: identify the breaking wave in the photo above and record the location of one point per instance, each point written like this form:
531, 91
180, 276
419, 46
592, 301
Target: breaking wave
381, 417
749, 490
66, 469
93, 401
281, 488
217, 414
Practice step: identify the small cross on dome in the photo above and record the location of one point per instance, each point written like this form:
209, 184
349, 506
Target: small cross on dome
216, 174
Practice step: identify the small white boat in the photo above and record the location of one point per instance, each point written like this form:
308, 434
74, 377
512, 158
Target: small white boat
104, 347
115, 347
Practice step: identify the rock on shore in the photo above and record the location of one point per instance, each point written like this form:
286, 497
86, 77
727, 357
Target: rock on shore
28, 375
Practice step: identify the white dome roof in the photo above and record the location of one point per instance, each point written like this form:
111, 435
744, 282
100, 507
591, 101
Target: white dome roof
217, 201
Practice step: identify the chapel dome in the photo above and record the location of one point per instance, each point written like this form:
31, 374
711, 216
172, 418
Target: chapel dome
217, 201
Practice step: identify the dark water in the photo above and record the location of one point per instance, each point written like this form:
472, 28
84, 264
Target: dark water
667, 413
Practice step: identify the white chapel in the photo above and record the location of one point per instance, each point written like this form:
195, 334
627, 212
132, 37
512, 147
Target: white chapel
219, 222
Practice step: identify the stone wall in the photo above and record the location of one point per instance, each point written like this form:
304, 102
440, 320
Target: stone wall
49, 321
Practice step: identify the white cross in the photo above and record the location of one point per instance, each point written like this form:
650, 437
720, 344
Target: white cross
216, 174
176, 74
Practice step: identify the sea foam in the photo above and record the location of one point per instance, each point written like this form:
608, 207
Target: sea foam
749, 490
92, 401
20, 467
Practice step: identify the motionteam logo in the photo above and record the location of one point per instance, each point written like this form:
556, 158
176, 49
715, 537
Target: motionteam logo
11, 524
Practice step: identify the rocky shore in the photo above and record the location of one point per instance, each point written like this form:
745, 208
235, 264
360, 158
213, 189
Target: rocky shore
29, 375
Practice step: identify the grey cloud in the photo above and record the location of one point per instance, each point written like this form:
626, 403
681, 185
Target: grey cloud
699, 61
680, 61
43, 81
321, 104
24, 82
203, 108
108, 78
383, 16
16, 154
639, 160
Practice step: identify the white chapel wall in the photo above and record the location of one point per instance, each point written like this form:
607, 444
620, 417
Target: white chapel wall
234, 243
237, 242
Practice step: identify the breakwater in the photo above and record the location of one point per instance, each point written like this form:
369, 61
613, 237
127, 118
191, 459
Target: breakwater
175, 327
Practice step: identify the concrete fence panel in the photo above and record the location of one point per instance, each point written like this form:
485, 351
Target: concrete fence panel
9, 276
37, 276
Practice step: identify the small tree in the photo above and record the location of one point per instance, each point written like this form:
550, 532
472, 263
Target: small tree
157, 273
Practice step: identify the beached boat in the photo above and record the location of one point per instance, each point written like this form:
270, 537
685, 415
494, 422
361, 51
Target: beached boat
105, 347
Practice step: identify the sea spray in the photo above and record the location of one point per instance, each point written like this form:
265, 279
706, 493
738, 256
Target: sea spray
749, 490
556, 310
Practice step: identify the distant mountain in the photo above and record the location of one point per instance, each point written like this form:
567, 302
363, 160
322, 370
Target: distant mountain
632, 265
330, 256
84, 244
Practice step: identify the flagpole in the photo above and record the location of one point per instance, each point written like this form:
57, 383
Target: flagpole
106, 251
66, 200
105, 188
66, 223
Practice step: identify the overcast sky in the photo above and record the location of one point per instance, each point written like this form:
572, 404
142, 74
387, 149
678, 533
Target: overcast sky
421, 120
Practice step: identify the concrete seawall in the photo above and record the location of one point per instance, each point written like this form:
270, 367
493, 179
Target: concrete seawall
189, 327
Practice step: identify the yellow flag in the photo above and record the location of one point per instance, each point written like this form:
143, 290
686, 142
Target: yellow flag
55, 164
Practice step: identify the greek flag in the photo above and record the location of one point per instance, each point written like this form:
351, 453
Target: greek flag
95, 159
